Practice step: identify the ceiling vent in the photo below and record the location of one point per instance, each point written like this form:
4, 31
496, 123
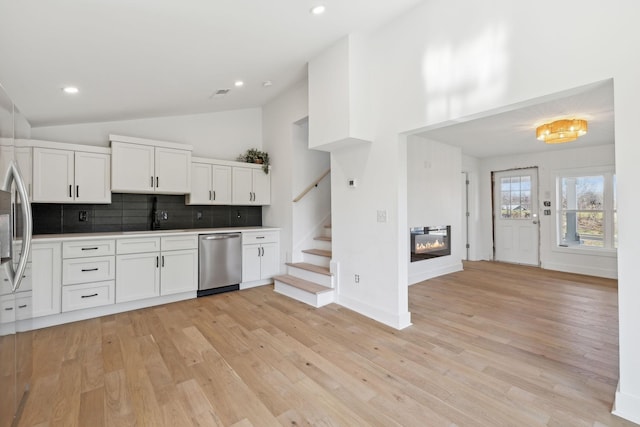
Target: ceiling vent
220, 93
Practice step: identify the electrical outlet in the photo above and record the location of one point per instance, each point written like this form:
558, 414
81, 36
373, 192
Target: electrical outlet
164, 215
83, 216
382, 216
357, 278
199, 215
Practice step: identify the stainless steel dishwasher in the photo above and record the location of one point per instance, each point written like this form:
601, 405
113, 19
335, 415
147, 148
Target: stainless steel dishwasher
219, 263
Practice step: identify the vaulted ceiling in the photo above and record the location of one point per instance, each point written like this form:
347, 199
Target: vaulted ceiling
145, 58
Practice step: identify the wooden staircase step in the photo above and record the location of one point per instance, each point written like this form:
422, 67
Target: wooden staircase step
323, 238
310, 267
318, 252
302, 284
327, 226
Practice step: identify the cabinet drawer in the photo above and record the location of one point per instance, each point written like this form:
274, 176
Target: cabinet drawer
7, 308
173, 243
25, 285
138, 245
23, 306
259, 237
86, 270
89, 248
88, 295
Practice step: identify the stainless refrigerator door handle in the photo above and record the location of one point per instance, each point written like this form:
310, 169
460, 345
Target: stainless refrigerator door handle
13, 173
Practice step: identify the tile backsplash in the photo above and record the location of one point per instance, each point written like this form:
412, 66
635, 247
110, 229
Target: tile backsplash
137, 212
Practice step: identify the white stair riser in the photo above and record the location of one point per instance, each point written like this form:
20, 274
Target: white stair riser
315, 300
327, 231
322, 244
311, 276
316, 259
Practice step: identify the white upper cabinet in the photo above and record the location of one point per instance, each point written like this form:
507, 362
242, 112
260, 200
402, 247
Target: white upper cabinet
92, 177
210, 184
145, 166
132, 168
173, 170
68, 176
251, 186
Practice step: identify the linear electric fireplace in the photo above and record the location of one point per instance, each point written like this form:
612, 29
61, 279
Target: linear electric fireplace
430, 242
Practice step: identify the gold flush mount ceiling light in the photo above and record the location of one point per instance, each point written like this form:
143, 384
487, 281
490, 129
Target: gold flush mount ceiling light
561, 131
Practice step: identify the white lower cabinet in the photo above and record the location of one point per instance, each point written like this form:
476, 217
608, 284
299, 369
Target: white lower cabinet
46, 280
88, 280
138, 276
260, 255
179, 271
171, 270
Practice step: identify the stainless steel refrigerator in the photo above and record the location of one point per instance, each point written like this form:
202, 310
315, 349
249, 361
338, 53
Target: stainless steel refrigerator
15, 290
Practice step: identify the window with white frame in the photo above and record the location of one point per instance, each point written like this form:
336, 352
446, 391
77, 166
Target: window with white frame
587, 213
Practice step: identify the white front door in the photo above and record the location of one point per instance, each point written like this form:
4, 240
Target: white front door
515, 213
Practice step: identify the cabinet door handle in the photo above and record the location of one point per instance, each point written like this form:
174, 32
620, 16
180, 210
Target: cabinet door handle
22, 306
151, 182
77, 191
214, 194
259, 252
163, 260
210, 195
157, 261
70, 190
88, 296
8, 309
157, 182
259, 237
89, 269
89, 249
262, 251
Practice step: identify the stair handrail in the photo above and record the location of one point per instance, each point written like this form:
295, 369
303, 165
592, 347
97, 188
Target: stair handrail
312, 186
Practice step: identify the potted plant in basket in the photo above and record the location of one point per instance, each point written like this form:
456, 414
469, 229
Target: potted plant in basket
253, 155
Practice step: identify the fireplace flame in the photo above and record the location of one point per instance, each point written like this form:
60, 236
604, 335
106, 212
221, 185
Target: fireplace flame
429, 246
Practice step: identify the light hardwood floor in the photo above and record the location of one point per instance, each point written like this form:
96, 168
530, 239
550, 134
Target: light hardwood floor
495, 345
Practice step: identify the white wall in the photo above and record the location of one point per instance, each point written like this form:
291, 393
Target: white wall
471, 166
596, 263
434, 197
279, 134
313, 211
435, 64
223, 135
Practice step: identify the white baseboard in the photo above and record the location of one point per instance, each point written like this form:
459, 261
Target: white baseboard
626, 406
581, 269
396, 321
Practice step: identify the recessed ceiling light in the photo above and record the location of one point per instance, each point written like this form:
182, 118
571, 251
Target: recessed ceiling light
318, 10
70, 89
239, 83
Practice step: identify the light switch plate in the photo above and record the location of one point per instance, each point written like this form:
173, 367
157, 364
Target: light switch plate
382, 216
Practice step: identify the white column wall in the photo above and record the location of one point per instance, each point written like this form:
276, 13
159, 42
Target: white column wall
279, 134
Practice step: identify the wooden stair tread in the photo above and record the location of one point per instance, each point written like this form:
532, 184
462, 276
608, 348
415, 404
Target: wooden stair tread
311, 267
327, 226
299, 283
323, 238
319, 252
